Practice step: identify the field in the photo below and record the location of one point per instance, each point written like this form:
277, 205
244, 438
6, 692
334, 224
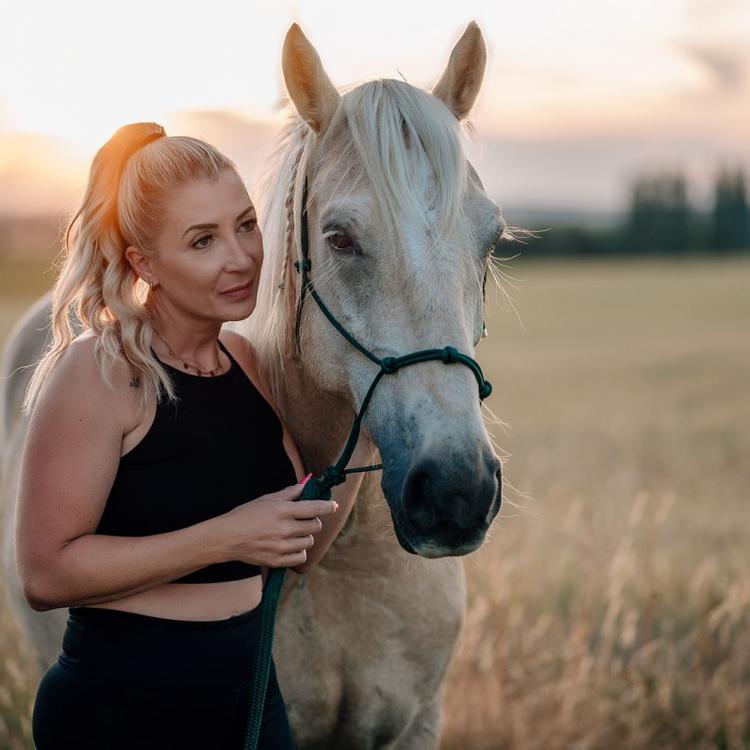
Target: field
611, 606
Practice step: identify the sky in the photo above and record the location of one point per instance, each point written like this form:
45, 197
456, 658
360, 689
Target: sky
578, 98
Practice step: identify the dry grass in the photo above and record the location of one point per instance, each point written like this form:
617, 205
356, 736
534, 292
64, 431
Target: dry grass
612, 608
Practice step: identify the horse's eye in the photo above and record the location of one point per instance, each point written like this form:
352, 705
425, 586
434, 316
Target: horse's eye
341, 241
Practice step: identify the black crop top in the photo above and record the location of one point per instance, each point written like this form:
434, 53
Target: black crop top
219, 447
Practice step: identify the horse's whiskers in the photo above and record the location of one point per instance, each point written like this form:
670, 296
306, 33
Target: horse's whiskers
494, 419
499, 281
515, 234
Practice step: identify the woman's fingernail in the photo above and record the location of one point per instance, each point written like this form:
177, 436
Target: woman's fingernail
305, 479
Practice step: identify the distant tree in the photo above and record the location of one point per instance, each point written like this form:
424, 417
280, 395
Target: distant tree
660, 218
730, 219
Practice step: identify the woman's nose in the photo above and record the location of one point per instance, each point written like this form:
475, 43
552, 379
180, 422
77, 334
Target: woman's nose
239, 257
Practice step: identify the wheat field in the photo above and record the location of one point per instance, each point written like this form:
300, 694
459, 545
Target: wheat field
610, 606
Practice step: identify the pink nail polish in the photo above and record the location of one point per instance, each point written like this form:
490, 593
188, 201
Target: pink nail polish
306, 478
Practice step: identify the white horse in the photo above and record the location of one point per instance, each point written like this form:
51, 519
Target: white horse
400, 235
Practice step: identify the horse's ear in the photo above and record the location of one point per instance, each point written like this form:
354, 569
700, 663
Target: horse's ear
462, 78
310, 89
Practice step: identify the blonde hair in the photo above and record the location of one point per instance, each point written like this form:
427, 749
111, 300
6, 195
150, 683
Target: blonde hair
129, 178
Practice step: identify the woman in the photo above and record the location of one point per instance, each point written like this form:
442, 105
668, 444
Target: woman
158, 483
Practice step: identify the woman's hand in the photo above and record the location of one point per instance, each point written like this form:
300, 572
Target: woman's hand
273, 530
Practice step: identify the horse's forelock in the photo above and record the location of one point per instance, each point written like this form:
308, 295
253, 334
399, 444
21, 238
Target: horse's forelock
394, 130
390, 131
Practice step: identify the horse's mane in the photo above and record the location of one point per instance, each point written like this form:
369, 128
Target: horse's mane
391, 129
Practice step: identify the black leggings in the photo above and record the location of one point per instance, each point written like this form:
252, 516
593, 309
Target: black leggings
126, 680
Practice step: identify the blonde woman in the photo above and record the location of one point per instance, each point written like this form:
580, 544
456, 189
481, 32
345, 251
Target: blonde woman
158, 483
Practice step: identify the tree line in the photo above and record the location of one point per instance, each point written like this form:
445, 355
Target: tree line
660, 219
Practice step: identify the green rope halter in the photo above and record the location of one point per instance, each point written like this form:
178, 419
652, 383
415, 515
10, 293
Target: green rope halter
319, 488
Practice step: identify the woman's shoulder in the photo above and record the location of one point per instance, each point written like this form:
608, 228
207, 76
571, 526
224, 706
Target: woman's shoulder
79, 374
81, 355
76, 398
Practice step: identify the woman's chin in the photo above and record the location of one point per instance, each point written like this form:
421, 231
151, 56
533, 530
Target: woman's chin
238, 310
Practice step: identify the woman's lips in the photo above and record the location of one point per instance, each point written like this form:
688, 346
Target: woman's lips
239, 292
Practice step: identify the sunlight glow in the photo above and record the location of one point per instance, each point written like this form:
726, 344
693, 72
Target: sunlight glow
81, 69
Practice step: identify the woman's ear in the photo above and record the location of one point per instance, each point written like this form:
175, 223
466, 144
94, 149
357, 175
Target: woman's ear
140, 263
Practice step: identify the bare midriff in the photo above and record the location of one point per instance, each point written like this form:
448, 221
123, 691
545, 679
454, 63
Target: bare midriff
193, 601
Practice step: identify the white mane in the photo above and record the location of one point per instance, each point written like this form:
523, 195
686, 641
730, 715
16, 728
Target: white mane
391, 131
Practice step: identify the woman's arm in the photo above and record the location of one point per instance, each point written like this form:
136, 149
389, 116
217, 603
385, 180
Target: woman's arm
70, 458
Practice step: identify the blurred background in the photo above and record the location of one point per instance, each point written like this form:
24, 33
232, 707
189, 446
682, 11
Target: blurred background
611, 605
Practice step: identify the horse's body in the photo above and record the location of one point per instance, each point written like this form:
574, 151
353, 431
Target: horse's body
364, 640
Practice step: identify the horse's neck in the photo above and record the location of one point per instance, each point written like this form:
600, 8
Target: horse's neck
320, 423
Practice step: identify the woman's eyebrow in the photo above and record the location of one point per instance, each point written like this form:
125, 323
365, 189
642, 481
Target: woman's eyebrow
214, 226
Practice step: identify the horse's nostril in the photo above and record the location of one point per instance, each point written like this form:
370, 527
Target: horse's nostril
419, 505
492, 460
499, 475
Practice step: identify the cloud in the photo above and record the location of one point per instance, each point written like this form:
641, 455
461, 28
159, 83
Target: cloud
726, 66
591, 172
43, 174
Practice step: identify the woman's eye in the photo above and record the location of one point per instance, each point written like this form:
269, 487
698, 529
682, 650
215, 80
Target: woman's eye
200, 240
250, 224
340, 241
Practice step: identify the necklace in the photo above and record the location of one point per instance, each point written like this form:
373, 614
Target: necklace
187, 365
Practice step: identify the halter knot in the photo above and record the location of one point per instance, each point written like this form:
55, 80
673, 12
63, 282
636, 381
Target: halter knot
485, 390
333, 475
388, 365
450, 354
306, 264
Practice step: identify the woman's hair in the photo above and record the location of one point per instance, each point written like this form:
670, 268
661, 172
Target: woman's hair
97, 288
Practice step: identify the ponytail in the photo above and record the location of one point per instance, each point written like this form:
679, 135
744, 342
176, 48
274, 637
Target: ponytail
97, 289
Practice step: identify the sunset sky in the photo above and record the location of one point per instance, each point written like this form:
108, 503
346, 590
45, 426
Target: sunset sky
579, 95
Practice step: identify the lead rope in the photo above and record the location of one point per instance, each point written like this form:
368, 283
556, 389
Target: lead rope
319, 488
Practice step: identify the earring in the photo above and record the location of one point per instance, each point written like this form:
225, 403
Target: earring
152, 284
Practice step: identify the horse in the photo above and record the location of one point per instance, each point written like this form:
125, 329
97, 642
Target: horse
401, 233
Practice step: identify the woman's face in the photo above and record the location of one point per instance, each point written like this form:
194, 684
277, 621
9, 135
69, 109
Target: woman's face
209, 244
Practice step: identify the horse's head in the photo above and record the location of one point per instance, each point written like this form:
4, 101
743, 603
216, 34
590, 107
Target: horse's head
400, 233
